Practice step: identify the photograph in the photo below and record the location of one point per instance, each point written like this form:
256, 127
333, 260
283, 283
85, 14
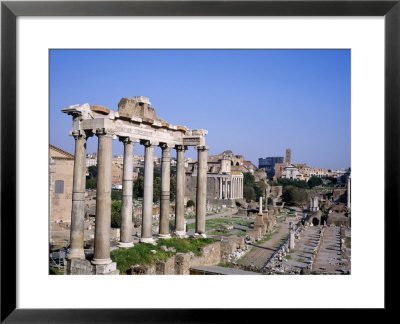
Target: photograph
199, 161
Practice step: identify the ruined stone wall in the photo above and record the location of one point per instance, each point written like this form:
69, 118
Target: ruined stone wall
191, 187
276, 191
181, 263
61, 203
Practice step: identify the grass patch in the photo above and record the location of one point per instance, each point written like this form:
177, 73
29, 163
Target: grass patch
55, 271
141, 253
267, 236
348, 242
240, 234
186, 245
191, 216
288, 256
225, 265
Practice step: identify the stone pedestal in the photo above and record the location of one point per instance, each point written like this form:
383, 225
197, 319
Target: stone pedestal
84, 267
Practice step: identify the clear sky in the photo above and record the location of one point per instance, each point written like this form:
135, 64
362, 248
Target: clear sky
254, 102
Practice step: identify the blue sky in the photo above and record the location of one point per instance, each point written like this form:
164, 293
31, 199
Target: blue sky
254, 102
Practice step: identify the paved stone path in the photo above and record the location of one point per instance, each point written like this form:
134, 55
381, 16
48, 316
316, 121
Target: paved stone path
259, 254
304, 247
329, 257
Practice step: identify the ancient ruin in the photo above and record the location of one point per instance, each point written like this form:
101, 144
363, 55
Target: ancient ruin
134, 122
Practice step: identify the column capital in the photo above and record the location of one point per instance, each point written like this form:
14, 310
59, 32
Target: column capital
148, 143
202, 148
165, 146
80, 133
104, 132
127, 139
180, 147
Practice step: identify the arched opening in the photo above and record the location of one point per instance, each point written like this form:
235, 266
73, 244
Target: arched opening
315, 221
237, 163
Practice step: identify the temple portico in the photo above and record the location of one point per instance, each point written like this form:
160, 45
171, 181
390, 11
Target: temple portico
134, 122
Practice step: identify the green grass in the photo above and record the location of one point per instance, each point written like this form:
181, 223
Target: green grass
348, 242
288, 256
191, 216
241, 233
267, 236
55, 271
141, 253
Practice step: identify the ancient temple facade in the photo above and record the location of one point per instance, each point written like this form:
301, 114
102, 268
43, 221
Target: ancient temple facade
135, 123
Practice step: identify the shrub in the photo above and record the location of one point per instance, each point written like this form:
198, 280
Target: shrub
190, 203
116, 217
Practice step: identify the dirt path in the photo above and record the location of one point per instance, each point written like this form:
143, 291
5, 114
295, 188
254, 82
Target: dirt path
259, 254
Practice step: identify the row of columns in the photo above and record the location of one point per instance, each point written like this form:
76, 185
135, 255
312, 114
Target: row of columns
103, 200
230, 187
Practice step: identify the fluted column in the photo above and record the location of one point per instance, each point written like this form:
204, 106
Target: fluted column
180, 191
127, 186
78, 198
147, 209
201, 194
103, 198
165, 191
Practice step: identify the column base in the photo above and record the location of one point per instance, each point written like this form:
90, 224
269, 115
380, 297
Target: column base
125, 244
164, 236
147, 240
76, 254
181, 234
101, 261
200, 235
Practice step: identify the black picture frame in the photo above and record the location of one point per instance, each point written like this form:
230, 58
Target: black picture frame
10, 10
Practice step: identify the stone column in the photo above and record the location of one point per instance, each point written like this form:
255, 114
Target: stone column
291, 235
165, 191
147, 208
201, 194
349, 192
260, 207
180, 191
231, 188
78, 198
220, 188
103, 198
127, 183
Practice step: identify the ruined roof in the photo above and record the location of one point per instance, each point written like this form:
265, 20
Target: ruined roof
59, 153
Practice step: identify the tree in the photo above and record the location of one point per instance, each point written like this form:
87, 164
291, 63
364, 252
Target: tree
294, 196
156, 189
138, 187
116, 217
172, 191
248, 179
116, 194
91, 183
314, 181
92, 171
190, 203
249, 193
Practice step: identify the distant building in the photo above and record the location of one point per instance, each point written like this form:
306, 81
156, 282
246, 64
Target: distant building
268, 164
61, 168
224, 179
